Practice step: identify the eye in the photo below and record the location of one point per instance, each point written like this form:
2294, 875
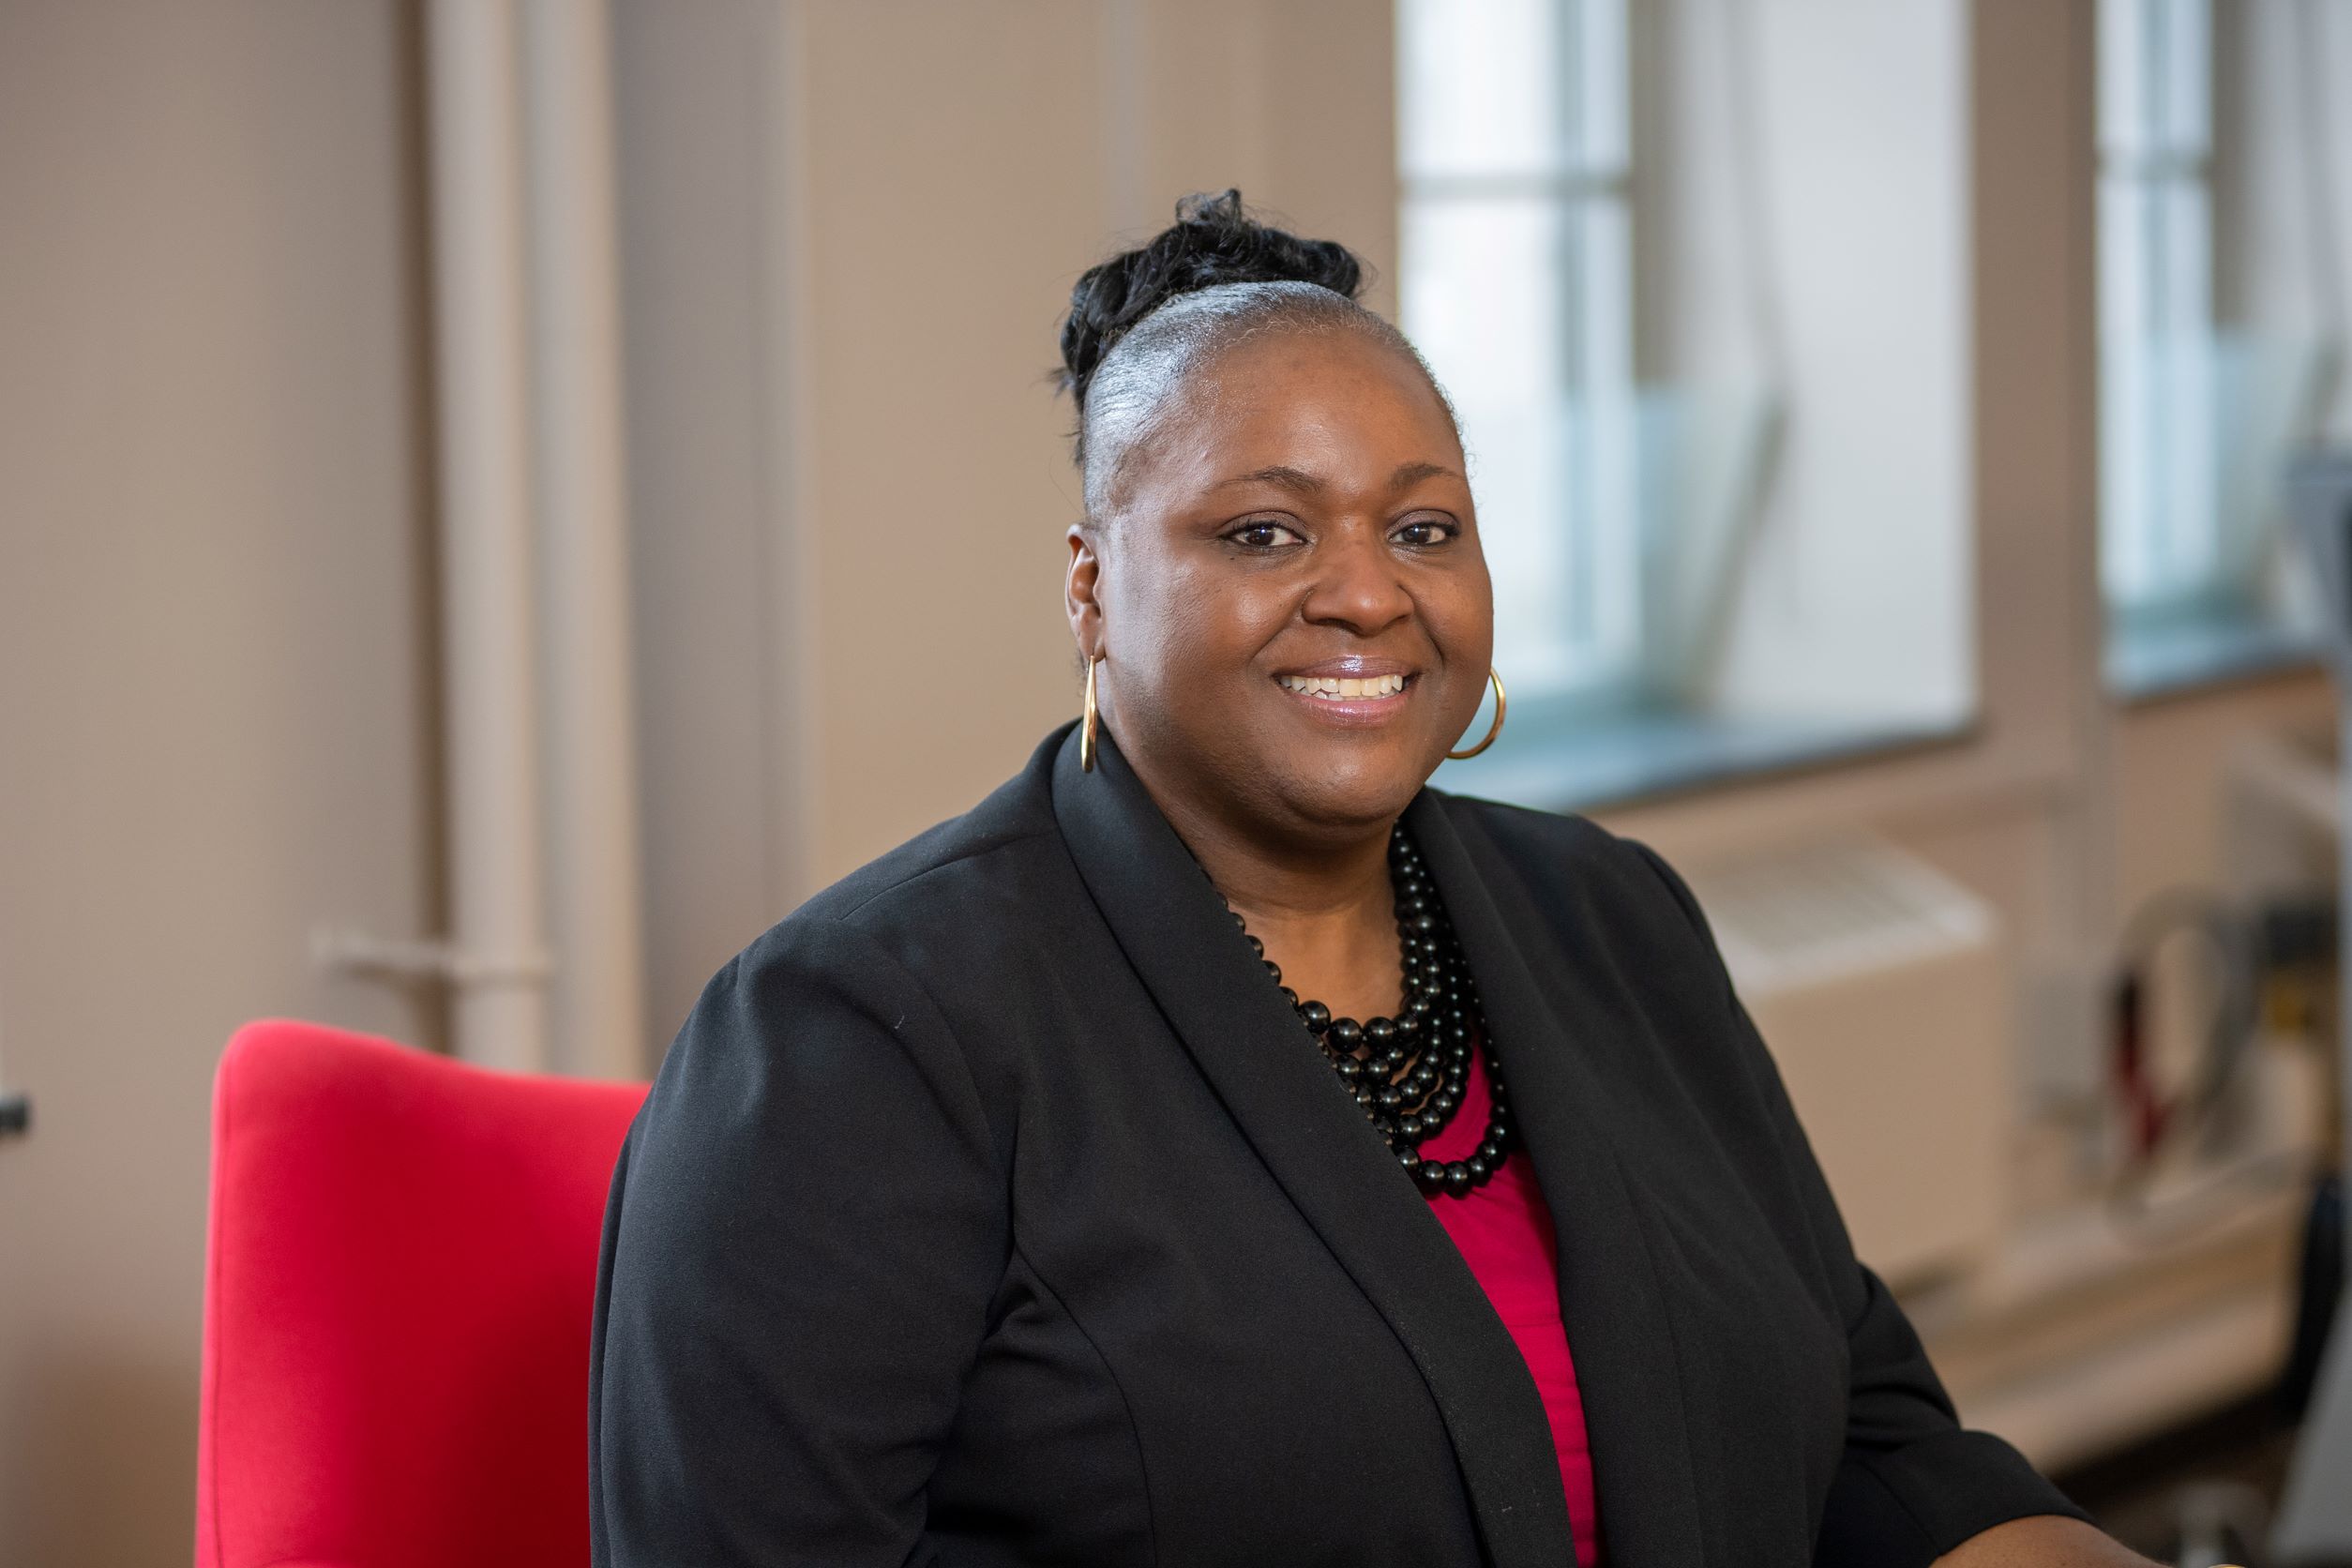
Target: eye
1428, 531
1264, 533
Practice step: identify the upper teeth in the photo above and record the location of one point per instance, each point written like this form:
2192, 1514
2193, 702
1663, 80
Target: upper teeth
1330, 686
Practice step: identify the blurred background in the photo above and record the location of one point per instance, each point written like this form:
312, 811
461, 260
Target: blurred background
501, 499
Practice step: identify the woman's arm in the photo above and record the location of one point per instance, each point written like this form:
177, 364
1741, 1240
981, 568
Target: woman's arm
2045, 1541
1914, 1488
805, 1235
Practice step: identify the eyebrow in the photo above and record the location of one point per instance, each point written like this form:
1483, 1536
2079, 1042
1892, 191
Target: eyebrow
1289, 479
1307, 484
1414, 473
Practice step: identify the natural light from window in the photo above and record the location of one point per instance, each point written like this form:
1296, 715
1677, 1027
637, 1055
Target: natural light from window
1517, 284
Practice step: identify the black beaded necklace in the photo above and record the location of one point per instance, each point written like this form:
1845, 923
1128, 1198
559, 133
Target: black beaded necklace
1410, 1072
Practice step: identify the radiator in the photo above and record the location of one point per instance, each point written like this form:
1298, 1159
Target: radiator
1881, 988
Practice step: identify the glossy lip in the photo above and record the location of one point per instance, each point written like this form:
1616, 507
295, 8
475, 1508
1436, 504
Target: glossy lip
1351, 712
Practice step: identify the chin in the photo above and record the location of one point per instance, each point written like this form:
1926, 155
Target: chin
1344, 792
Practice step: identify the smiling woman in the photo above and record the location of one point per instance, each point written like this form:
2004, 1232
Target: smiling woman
1275, 499
1209, 1148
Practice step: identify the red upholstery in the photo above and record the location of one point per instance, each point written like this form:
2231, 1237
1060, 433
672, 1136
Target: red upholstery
396, 1294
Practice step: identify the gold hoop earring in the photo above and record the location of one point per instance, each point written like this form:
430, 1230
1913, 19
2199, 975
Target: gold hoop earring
1492, 730
1086, 734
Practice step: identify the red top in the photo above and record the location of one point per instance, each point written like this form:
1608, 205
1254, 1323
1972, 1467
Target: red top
1505, 1234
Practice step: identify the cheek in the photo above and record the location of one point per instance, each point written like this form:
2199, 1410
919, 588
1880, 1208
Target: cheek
1207, 622
1459, 616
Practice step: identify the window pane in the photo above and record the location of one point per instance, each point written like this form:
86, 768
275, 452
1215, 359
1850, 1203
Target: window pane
1479, 85
1606, 566
2154, 61
1517, 282
1484, 300
1518, 302
2161, 521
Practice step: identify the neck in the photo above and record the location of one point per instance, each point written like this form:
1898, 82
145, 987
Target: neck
1323, 908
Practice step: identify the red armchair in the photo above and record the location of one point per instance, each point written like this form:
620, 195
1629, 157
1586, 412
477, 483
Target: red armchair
397, 1285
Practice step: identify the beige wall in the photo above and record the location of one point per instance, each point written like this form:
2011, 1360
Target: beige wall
213, 685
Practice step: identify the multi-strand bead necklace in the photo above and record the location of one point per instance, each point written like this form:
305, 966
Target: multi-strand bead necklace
1409, 1072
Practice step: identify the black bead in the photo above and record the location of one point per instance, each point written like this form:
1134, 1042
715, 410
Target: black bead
1410, 1079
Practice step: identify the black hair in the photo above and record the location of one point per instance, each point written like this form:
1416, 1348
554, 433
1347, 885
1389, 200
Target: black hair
1142, 321
1214, 240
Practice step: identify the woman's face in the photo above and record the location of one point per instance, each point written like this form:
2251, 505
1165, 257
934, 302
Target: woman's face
1288, 595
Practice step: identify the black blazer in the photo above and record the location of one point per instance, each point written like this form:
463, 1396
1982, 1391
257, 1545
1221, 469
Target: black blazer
993, 1209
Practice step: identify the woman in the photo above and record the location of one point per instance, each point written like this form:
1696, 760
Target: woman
1218, 1147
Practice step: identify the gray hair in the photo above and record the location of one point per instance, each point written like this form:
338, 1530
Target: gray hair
1129, 392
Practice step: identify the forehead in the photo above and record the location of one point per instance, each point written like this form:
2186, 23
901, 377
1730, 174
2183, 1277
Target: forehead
1341, 404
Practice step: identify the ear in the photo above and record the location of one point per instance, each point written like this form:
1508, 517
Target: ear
1079, 592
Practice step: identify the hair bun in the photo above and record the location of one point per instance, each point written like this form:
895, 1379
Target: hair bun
1214, 240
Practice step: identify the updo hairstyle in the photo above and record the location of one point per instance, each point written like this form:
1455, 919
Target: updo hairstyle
1143, 321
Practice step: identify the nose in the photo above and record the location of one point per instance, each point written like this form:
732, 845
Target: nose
1357, 583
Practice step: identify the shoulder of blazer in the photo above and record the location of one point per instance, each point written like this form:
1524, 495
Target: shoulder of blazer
1563, 862
1004, 852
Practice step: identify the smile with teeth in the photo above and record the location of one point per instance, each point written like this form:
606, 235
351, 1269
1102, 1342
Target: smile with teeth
1337, 689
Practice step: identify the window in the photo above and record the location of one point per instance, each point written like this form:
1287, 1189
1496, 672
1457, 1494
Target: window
2161, 535
1692, 579
2217, 339
1517, 284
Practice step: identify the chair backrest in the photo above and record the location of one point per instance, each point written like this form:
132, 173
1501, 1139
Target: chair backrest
397, 1286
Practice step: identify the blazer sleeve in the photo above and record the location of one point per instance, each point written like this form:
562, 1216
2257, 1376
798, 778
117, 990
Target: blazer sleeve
1912, 1484
805, 1232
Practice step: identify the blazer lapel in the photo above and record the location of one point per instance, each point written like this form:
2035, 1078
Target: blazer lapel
1310, 1136
1611, 1298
